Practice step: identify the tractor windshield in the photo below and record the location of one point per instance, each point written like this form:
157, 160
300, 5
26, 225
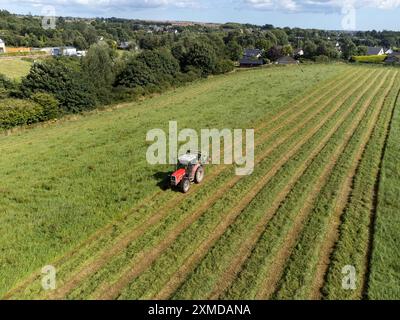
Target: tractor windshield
181, 166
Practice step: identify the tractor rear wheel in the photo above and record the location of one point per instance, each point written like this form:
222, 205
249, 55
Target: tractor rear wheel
199, 176
185, 185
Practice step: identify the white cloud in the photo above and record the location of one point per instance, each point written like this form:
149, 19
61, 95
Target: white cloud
104, 4
319, 5
325, 6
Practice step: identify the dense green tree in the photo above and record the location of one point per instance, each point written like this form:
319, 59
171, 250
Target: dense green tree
68, 86
274, 53
203, 57
349, 49
287, 50
98, 66
135, 74
162, 64
281, 36
234, 51
310, 49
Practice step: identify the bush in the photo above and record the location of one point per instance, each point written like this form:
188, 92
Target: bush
4, 93
49, 104
6, 83
15, 112
128, 94
224, 66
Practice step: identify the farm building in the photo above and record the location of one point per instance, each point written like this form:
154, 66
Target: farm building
287, 60
2, 46
375, 51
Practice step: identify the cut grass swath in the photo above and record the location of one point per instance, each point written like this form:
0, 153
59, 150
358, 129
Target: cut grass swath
333, 232
383, 277
296, 284
355, 236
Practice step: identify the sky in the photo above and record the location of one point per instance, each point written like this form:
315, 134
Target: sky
320, 14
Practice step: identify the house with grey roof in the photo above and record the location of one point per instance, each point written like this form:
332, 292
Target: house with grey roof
252, 58
375, 51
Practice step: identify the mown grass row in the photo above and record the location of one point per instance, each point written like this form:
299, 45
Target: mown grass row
354, 240
258, 266
296, 283
99, 137
190, 249
147, 243
228, 247
384, 277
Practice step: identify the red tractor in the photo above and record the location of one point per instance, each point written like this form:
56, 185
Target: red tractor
190, 169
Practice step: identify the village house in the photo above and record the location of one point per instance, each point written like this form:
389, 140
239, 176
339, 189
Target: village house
298, 53
251, 58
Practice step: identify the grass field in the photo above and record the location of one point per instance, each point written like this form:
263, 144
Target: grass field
14, 68
79, 195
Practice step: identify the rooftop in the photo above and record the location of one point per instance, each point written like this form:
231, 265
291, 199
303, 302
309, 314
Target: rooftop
374, 50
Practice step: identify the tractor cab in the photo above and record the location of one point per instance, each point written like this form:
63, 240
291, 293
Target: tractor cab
190, 169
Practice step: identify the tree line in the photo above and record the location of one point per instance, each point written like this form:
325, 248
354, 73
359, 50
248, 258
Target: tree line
160, 56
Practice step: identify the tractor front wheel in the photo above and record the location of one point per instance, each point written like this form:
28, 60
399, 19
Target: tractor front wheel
185, 185
199, 177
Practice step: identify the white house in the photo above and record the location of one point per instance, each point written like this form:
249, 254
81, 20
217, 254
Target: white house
2, 46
